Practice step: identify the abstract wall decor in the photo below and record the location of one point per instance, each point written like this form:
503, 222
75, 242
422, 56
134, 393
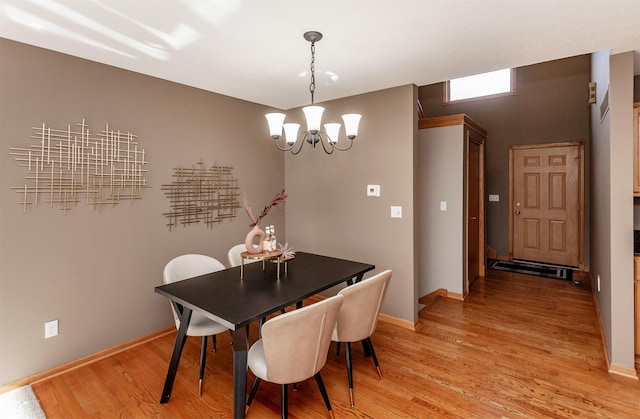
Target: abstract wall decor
65, 167
202, 195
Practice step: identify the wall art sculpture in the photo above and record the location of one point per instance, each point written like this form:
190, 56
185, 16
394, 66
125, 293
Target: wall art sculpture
65, 167
201, 195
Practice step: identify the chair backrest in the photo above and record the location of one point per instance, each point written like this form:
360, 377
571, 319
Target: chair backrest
358, 316
234, 257
296, 343
187, 266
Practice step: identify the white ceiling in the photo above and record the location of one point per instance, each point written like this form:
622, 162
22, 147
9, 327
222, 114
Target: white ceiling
254, 49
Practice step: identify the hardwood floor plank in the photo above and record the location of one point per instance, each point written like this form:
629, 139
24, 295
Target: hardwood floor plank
517, 347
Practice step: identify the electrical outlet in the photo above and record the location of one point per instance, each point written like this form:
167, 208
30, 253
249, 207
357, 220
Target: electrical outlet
373, 190
51, 329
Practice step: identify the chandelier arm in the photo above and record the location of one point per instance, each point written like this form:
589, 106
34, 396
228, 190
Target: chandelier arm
300, 140
285, 148
324, 137
335, 146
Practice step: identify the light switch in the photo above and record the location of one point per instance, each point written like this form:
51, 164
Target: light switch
373, 190
396, 212
494, 198
443, 205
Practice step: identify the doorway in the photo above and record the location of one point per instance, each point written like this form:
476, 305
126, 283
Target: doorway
546, 201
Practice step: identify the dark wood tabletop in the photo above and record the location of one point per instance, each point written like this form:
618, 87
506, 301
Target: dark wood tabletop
225, 298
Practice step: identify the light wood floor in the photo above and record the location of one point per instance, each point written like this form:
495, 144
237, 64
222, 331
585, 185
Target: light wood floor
519, 346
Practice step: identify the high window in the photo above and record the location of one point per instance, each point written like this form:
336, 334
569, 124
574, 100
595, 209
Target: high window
481, 86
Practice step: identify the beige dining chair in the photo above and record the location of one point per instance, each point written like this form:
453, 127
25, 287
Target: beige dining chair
234, 258
358, 318
294, 347
187, 266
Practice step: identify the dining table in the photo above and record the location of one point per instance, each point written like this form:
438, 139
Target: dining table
235, 303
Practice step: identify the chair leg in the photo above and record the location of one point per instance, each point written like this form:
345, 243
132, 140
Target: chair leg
215, 345
347, 350
337, 349
323, 391
373, 356
254, 388
262, 321
285, 402
203, 359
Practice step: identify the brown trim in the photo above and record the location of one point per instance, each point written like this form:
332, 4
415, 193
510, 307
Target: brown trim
510, 248
455, 296
451, 120
405, 324
623, 371
69, 366
429, 298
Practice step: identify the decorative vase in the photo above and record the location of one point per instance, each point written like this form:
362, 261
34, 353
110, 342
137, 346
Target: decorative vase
249, 241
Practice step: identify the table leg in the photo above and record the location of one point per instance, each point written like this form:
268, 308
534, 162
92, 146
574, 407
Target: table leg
240, 343
357, 277
181, 338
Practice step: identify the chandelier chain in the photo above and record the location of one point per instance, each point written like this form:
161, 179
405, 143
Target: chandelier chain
312, 86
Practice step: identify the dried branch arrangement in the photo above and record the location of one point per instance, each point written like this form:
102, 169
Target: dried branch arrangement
279, 198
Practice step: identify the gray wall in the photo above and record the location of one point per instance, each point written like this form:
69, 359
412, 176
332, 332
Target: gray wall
95, 272
550, 106
441, 176
328, 210
612, 205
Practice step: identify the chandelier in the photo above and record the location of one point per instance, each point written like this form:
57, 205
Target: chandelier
313, 115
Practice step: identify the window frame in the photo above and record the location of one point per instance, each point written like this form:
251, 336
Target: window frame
446, 91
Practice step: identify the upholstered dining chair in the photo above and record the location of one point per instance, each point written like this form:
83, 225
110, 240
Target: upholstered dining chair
358, 318
234, 257
187, 266
294, 347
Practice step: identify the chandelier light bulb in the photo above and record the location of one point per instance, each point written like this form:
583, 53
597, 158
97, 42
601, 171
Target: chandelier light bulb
313, 115
291, 132
333, 131
351, 122
275, 121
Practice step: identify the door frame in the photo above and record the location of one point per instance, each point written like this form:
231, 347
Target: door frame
581, 211
477, 137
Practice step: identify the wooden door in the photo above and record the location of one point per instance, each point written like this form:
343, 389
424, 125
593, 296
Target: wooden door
636, 149
546, 183
474, 209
